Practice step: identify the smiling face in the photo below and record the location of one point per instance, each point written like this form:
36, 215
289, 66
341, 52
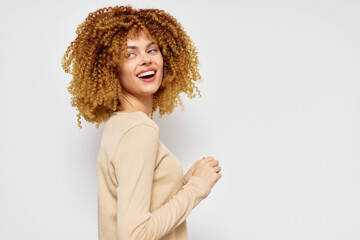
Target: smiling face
141, 72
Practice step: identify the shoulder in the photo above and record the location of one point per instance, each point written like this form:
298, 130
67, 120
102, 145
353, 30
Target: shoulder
132, 127
122, 122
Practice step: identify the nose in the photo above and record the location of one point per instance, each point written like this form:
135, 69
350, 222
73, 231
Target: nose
145, 59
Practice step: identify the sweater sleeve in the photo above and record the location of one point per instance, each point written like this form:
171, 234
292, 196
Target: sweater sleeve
183, 180
134, 160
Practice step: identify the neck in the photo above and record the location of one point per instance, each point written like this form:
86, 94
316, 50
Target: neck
137, 103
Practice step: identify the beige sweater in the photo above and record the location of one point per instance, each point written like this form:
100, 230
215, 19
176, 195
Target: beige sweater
142, 193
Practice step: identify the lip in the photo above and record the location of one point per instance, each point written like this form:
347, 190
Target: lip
145, 70
147, 79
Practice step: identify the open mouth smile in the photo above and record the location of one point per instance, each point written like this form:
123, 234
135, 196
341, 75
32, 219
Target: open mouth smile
147, 75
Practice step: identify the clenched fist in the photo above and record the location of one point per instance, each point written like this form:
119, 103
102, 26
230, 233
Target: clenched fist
207, 168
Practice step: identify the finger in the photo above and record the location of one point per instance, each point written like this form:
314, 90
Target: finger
192, 169
217, 169
214, 163
208, 159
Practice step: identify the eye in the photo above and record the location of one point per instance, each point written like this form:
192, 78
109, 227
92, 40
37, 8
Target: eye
130, 55
152, 50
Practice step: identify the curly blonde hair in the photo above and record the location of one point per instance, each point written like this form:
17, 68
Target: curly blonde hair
100, 47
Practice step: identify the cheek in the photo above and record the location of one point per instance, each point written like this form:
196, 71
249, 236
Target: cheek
160, 63
126, 72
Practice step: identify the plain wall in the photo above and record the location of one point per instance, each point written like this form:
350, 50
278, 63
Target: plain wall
280, 110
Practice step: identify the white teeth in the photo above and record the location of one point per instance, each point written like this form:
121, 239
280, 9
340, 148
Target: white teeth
146, 73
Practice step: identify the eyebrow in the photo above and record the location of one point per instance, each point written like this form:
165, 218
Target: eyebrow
134, 47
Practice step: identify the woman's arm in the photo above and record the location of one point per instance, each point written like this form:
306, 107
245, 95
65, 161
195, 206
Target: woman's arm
184, 180
134, 166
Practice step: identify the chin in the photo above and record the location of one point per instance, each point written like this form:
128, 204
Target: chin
151, 88
147, 92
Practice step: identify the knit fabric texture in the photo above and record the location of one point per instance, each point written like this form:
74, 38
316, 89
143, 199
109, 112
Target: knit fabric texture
142, 193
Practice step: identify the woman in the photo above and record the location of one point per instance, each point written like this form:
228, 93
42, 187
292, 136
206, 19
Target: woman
126, 64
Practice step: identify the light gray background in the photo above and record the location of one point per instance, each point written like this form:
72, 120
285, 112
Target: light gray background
280, 111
